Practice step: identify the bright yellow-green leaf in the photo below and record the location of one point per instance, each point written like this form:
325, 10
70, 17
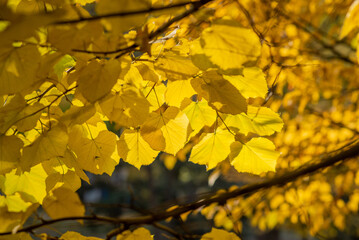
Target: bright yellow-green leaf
76, 236
177, 91
200, 115
230, 46
175, 67
97, 79
9, 152
251, 84
14, 203
94, 154
50, 144
63, 202
166, 131
134, 150
351, 19
262, 121
220, 93
139, 234
32, 184
212, 149
126, 108
18, 69
256, 156
219, 234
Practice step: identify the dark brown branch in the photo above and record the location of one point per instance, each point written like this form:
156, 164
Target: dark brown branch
214, 197
195, 7
124, 14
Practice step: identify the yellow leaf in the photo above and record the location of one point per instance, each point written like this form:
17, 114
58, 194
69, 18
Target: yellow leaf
212, 149
147, 71
219, 234
351, 19
262, 121
63, 202
134, 150
18, 113
97, 79
69, 180
166, 131
251, 84
220, 93
126, 108
14, 203
9, 153
94, 155
76, 236
174, 130
31, 183
23, 26
256, 156
200, 115
155, 94
70, 160
177, 91
175, 67
139, 234
18, 69
229, 46
198, 57
65, 38
50, 144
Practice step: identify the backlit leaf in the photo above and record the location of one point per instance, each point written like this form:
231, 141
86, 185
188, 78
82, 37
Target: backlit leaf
200, 114
94, 154
251, 84
178, 90
212, 149
126, 108
262, 121
32, 184
51, 143
256, 156
220, 93
134, 150
98, 78
9, 152
229, 46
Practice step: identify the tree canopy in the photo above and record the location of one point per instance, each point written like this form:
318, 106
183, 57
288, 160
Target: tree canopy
263, 93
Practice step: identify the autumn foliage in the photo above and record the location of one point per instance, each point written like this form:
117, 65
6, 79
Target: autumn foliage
261, 92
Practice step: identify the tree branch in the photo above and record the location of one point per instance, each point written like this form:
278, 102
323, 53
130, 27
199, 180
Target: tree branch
124, 14
195, 7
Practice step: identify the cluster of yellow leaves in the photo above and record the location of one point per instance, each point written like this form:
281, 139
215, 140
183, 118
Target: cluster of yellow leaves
63, 78
313, 72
